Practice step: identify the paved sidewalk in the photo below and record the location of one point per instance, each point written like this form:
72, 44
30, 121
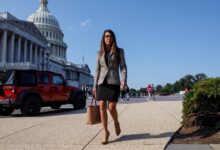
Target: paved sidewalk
145, 125
194, 147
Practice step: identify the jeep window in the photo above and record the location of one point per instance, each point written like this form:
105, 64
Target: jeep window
26, 79
58, 80
43, 79
6, 77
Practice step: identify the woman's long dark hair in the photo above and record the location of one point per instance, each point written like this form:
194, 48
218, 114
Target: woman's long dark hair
114, 47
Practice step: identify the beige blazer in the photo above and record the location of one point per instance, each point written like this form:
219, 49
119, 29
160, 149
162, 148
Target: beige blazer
112, 70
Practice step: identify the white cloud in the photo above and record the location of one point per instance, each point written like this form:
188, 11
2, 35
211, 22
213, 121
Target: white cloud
85, 23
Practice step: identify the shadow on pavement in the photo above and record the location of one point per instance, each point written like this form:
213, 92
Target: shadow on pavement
141, 136
62, 111
59, 112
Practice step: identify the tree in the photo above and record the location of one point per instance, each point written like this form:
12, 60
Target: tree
176, 87
132, 90
189, 81
181, 84
200, 76
159, 88
142, 90
168, 89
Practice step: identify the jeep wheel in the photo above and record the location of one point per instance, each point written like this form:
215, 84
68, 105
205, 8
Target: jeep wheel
31, 106
55, 106
6, 111
79, 102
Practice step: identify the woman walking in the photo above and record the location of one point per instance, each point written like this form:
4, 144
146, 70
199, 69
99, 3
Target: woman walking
107, 82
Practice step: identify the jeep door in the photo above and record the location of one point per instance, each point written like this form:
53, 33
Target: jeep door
44, 86
60, 91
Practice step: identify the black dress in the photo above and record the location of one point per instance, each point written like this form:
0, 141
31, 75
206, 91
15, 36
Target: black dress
105, 91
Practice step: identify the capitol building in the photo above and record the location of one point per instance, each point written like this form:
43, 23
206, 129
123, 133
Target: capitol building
38, 44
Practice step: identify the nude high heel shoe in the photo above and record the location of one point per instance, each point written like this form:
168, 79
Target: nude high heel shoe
106, 138
117, 128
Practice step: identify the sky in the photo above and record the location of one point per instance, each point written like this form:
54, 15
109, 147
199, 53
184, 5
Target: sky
163, 40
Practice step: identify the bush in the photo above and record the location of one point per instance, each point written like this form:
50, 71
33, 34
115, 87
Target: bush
203, 100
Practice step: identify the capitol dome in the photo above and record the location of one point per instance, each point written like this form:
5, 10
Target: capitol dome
40, 17
49, 27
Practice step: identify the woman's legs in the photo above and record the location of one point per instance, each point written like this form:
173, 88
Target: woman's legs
114, 114
104, 119
113, 111
149, 96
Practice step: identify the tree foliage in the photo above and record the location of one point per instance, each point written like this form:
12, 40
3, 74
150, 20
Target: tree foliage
183, 83
186, 82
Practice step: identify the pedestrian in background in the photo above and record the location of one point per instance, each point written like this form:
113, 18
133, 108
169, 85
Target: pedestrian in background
153, 92
123, 92
127, 92
107, 82
149, 92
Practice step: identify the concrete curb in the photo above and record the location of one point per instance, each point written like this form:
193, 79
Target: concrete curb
171, 138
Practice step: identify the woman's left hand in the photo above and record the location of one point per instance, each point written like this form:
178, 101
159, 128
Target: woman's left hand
123, 85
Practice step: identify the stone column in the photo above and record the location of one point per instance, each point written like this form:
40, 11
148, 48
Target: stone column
4, 46
12, 48
71, 77
56, 51
51, 53
59, 51
53, 50
35, 54
31, 45
45, 60
62, 52
58, 48
25, 50
41, 58
18, 59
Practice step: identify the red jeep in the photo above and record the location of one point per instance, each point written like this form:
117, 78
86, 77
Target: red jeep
29, 90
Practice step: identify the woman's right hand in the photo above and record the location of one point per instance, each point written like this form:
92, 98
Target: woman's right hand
94, 92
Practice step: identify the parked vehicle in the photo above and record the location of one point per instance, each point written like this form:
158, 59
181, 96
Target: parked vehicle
29, 90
